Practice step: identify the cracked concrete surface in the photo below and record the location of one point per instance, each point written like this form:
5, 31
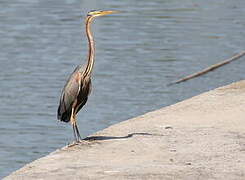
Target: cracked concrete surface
200, 138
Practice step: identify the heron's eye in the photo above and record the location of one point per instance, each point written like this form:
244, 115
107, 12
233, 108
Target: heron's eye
91, 12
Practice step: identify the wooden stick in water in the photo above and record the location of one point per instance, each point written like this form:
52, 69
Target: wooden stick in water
210, 68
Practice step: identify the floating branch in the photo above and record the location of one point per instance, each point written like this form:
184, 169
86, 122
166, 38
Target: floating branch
210, 68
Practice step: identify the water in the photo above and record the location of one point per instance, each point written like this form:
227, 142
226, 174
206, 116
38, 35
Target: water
138, 52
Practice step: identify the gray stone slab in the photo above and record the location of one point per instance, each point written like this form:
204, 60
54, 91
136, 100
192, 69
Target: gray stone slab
200, 138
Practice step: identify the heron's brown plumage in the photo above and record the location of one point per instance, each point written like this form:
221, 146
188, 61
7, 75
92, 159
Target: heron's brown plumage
78, 86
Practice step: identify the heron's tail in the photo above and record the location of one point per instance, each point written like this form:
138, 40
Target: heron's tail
64, 116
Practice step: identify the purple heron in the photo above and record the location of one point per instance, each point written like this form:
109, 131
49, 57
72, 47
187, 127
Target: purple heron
78, 87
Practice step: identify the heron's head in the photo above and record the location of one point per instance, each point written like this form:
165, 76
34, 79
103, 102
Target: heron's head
95, 13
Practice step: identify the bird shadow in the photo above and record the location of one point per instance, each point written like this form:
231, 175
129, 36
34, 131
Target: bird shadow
102, 138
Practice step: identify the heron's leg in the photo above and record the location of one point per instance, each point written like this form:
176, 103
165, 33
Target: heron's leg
74, 132
79, 139
73, 123
77, 132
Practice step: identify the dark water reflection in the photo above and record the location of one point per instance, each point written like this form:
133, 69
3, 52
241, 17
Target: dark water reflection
138, 52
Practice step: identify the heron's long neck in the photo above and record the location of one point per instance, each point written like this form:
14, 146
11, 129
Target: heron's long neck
90, 57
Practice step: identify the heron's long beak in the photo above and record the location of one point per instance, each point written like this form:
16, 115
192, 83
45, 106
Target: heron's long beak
102, 13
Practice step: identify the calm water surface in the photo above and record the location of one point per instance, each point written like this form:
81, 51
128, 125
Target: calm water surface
138, 52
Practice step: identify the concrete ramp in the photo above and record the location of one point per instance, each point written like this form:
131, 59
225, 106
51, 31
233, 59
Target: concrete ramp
200, 138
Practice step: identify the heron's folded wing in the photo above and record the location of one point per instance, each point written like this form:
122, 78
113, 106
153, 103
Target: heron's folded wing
68, 96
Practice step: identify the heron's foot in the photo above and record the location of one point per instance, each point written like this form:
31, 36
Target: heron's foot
74, 143
83, 142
